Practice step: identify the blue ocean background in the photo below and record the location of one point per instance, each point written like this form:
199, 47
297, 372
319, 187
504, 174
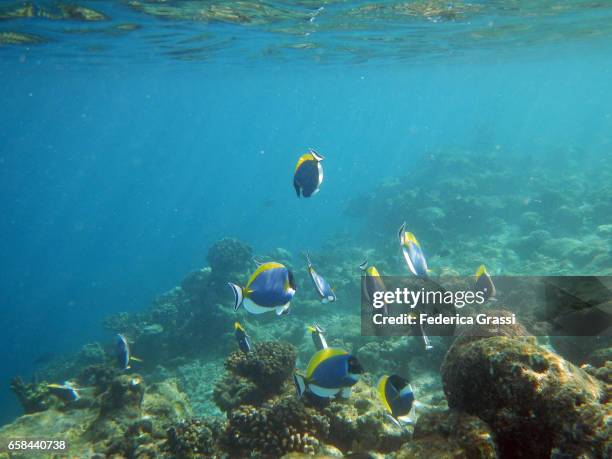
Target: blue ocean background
116, 177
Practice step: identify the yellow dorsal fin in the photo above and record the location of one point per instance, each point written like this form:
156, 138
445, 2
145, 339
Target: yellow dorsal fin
237, 326
372, 271
135, 359
320, 356
381, 392
409, 237
304, 157
263, 267
481, 270
310, 328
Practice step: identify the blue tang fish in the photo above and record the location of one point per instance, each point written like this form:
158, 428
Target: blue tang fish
330, 372
397, 397
308, 174
124, 356
66, 391
316, 332
270, 288
321, 285
413, 254
484, 283
243, 339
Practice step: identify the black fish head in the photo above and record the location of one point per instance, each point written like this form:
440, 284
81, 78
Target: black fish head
398, 382
354, 367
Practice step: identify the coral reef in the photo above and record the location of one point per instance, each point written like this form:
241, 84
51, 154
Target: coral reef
284, 423
66, 367
498, 388
193, 437
32, 397
253, 377
524, 391
274, 429
127, 419
228, 257
544, 229
449, 435
194, 380
191, 319
359, 424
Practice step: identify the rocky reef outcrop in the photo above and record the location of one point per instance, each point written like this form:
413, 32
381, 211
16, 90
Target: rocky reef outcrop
526, 392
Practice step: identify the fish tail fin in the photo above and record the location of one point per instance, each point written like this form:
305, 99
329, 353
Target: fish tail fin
481, 270
296, 185
364, 264
238, 295
394, 421
300, 384
412, 416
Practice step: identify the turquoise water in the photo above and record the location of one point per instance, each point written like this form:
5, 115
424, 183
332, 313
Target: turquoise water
126, 151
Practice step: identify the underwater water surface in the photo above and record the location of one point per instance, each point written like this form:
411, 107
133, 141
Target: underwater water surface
136, 135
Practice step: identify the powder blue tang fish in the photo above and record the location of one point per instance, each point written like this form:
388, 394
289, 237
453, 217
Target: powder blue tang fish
413, 253
330, 372
270, 288
308, 174
321, 285
124, 355
243, 339
316, 332
397, 397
